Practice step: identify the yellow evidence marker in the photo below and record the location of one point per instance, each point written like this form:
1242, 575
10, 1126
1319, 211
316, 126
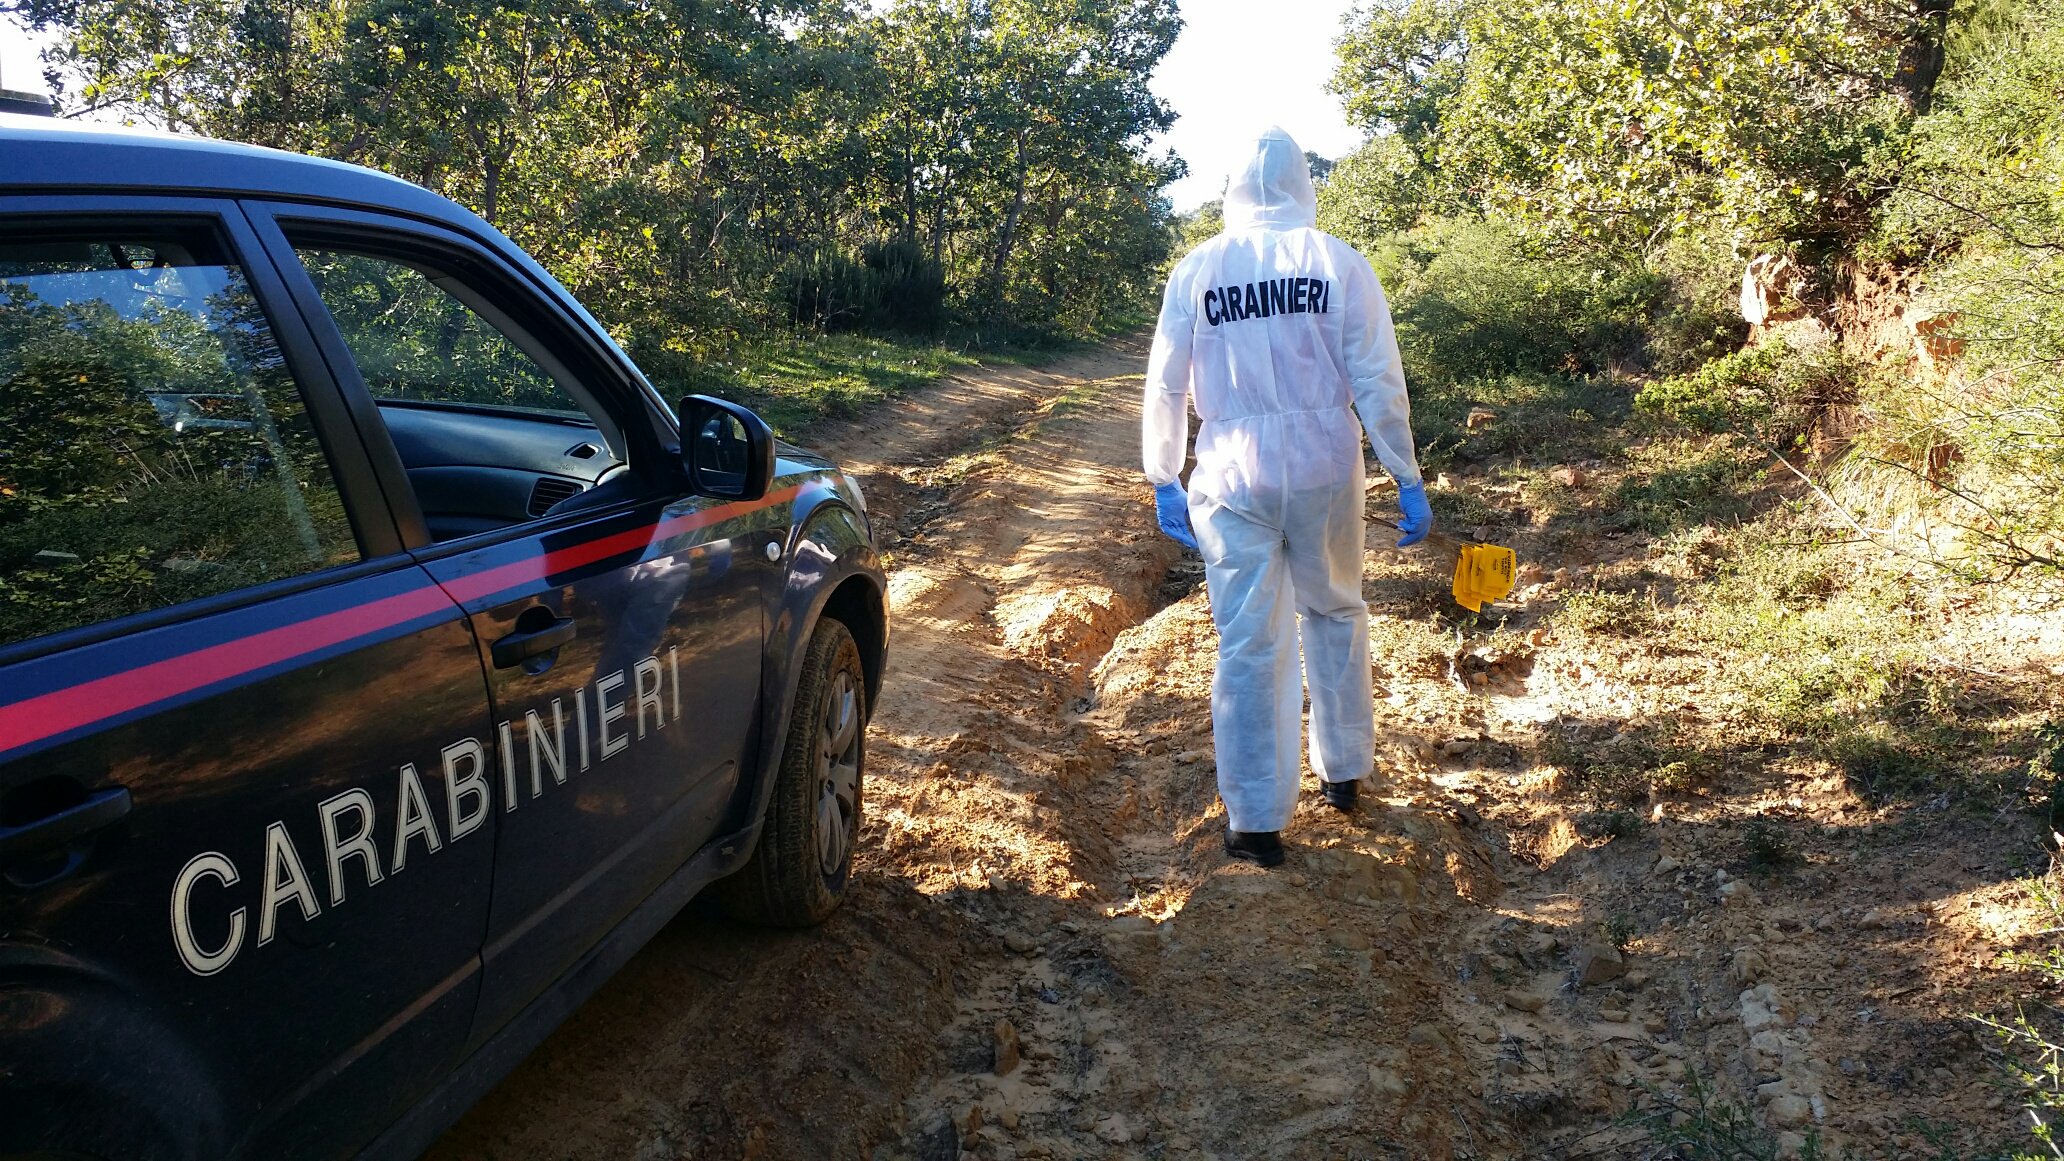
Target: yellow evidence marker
1483, 573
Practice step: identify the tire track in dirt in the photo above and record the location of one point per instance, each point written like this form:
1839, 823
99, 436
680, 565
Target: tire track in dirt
1046, 955
721, 1041
1040, 865
1160, 1000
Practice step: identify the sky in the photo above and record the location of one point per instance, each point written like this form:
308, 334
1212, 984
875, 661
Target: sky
1238, 67
19, 68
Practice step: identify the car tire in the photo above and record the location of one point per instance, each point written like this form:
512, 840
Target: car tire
798, 872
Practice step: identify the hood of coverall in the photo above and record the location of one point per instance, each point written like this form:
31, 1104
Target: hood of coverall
1273, 190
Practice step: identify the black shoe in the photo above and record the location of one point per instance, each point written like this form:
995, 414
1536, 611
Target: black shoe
1256, 846
1341, 795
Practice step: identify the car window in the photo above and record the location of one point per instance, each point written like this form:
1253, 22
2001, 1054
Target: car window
416, 341
154, 447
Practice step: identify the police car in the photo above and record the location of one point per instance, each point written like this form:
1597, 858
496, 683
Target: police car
382, 659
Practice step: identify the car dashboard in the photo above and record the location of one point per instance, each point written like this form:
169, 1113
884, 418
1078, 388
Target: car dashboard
475, 469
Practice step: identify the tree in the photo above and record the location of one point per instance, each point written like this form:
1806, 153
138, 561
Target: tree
682, 163
1779, 119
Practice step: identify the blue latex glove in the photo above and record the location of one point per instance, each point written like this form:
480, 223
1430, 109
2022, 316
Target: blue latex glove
1417, 519
1172, 511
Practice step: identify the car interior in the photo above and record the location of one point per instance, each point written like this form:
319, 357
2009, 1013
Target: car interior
491, 427
475, 469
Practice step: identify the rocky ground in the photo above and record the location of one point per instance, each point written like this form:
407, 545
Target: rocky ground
1046, 955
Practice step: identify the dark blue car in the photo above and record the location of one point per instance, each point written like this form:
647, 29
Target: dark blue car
382, 659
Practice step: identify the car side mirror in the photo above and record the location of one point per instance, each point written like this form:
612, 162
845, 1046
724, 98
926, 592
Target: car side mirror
728, 451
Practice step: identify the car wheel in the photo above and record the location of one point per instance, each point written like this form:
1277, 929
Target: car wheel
798, 873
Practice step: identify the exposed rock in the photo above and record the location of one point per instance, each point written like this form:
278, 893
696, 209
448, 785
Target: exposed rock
1613, 1015
1789, 1112
1762, 1008
1524, 1001
1736, 893
1137, 930
1119, 1129
1006, 1047
1386, 1082
1428, 1035
1665, 865
1351, 939
1599, 962
1019, 942
1747, 968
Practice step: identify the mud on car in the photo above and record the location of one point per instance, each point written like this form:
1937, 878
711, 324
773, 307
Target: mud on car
382, 660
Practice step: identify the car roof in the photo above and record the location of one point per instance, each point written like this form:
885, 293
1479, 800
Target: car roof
48, 155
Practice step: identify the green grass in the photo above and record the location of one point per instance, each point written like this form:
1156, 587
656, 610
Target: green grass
1679, 483
797, 379
1535, 416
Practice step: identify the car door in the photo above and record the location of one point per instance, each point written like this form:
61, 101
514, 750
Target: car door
245, 829
618, 619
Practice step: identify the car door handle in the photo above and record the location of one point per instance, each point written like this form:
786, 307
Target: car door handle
519, 647
58, 828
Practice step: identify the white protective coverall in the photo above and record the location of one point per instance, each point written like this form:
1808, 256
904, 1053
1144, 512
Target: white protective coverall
1280, 334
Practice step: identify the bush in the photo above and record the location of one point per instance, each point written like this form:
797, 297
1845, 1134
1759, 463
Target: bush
1773, 393
1678, 484
893, 286
1472, 300
1979, 200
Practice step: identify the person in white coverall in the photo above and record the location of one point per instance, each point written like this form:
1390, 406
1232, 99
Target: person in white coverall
1280, 335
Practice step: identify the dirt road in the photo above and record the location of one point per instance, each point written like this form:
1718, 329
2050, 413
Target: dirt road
1047, 956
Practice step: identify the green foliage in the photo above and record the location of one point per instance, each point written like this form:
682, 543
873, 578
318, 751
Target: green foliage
1381, 188
794, 380
1766, 848
1472, 298
1677, 484
1402, 62
1979, 202
1733, 391
410, 339
699, 170
1196, 228
894, 286
1697, 1126
1772, 392
1596, 613
1879, 766
2032, 1038
1619, 927
1538, 415
1630, 121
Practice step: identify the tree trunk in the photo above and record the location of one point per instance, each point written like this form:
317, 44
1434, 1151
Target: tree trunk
1921, 57
1008, 236
490, 191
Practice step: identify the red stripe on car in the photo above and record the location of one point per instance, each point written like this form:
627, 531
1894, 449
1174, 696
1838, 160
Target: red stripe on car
61, 710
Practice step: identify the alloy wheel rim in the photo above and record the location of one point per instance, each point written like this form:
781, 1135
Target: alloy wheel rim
838, 773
